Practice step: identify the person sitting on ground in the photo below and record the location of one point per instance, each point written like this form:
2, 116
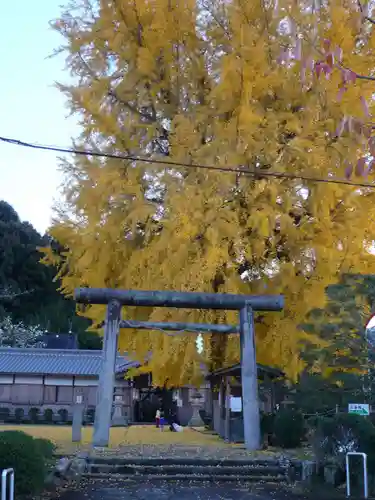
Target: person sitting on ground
172, 421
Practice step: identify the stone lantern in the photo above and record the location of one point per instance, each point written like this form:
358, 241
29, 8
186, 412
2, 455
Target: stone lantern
196, 403
118, 417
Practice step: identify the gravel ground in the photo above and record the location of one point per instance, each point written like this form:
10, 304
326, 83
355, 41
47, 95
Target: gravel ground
160, 490
203, 451
182, 451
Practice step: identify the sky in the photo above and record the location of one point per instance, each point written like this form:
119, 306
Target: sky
31, 109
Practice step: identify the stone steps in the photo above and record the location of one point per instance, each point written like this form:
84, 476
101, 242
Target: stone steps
245, 478
179, 469
182, 461
183, 469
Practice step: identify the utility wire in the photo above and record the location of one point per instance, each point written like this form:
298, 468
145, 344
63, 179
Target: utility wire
239, 170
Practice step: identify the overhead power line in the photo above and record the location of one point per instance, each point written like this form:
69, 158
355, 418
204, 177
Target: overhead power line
227, 169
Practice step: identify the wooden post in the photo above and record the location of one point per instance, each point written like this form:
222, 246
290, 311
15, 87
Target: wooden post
267, 393
212, 389
107, 376
227, 410
77, 420
249, 379
222, 407
273, 396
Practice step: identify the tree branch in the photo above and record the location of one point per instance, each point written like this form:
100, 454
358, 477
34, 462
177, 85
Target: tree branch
144, 116
369, 19
8, 296
337, 65
112, 93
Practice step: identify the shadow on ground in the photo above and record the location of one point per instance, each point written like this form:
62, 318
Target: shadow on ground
111, 489
139, 489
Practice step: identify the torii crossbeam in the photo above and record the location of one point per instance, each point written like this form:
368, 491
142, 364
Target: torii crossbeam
245, 304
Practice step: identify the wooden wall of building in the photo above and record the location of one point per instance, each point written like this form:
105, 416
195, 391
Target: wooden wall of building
45, 391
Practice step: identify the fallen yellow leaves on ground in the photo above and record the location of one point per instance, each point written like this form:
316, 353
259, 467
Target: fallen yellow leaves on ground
144, 441
119, 437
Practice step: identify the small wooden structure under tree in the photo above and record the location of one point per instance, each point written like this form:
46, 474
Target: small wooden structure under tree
226, 384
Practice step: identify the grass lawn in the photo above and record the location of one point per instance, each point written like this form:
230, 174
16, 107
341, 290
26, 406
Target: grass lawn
120, 437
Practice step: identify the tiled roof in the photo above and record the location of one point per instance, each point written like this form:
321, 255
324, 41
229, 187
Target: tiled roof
56, 362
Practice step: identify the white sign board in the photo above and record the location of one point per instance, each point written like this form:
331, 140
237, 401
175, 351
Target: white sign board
359, 409
235, 404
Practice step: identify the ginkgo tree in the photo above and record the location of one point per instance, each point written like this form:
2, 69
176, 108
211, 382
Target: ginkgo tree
222, 84
324, 58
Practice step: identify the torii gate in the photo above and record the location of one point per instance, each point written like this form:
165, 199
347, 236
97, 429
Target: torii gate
245, 304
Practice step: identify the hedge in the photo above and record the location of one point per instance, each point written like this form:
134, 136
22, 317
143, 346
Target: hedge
28, 457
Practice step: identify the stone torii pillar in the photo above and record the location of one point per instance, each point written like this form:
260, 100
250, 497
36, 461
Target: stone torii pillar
245, 304
103, 412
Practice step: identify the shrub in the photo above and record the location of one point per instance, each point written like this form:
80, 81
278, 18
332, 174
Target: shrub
46, 447
333, 437
289, 428
4, 414
206, 418
63, 412
267, 422
267, 427
48, 415
90, 415
20, 451
19, 414
34, 415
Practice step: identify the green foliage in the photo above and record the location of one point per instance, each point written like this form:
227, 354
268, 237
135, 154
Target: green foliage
315, 393
267, 428
4, 414
341, 325
289, 428
19, 414
18, 242
333, 437
90, 415
343, 371
19, 335
46, 447
63, 415
20, 270
22, 453
48, 415
89, 340
267, 422
32, 294
34, 415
